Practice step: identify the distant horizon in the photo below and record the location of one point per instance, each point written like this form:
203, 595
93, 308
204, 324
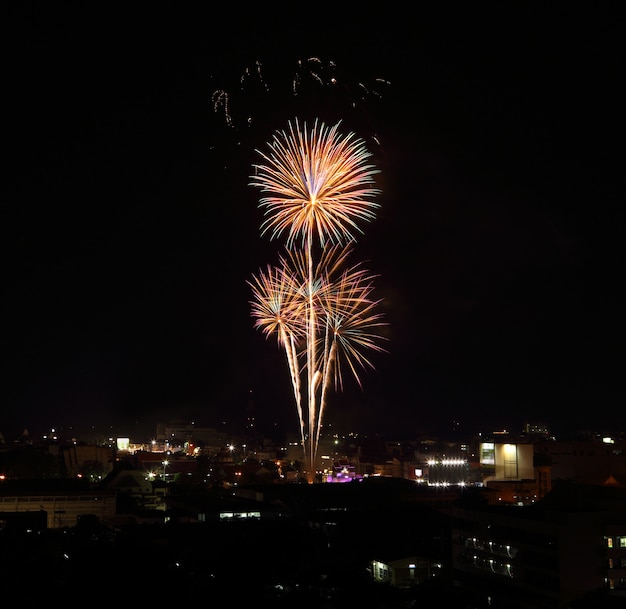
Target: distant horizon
144, 432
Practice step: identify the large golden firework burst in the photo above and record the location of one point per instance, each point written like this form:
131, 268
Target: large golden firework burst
316, 181
317, 185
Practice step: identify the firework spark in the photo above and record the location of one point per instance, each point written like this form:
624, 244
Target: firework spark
316, 182
315, 74
311, 87
317, 186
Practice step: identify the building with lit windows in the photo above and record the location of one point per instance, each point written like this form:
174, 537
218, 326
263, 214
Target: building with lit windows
547, 555
513, 473
589, 461
404, 572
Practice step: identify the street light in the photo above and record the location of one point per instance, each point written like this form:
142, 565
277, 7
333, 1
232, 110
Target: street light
165, 464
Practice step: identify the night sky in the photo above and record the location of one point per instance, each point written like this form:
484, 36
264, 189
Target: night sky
130, 229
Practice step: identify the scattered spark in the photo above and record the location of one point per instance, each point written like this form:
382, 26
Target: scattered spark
310, 87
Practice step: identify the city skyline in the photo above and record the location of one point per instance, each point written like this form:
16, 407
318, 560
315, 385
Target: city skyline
132, 230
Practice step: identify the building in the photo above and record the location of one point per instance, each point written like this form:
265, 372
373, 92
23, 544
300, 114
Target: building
589, 461
404, 572
543, 556
63, 502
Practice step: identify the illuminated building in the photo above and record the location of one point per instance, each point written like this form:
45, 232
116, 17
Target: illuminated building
509, 469
569, 544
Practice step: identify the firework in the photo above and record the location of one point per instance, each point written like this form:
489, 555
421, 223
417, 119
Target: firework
317, 182
257, 97
317, 186
314, 75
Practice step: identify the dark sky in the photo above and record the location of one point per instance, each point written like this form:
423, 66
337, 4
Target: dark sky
131, 230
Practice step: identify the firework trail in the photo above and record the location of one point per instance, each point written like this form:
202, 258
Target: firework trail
259, 98
317, 185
